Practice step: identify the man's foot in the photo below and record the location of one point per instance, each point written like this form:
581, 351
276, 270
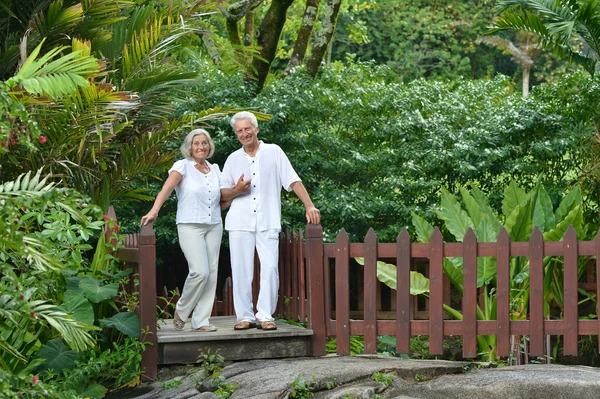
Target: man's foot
244, 325
208, 328
266, 325
178, 324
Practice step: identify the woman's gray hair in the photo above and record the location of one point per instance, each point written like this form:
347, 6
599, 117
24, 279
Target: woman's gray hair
244, 115
186, 146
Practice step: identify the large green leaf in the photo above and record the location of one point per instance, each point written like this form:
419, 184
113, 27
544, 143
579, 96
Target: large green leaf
96, 292
88, 389
543, 215
486, 266
572, 199
57, 355
457, 220
486, 209
471, 206
422, 227
574, 218
386, 273
518, 224
126, 322
513, 196
78, 307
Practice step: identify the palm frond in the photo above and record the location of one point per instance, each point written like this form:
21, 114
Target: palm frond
77, 337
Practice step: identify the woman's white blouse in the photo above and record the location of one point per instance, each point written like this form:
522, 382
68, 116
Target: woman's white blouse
198, 194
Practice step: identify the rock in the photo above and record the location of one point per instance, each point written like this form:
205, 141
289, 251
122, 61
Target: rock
335, 377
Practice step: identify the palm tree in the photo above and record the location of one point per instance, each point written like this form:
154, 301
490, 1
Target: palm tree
106, 137
569, 28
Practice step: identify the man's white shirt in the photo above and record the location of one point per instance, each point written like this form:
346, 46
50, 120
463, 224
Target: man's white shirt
270, 170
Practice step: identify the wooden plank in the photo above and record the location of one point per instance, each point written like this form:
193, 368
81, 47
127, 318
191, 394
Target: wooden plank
403, 300
147, 298
302, 274
503, 296
469, 304
370, 292
316, 298
281, 268
295, 277
536, 296
571, 314
597, 242
436, 299
342, 294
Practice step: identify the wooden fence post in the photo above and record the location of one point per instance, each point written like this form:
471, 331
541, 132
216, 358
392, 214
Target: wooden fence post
316, 295
147, 306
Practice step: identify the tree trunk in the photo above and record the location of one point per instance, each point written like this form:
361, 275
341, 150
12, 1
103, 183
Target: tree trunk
526, 70
301, 45
249, 29
330, 14
268, 39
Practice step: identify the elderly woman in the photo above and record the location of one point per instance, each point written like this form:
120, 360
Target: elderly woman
199, 227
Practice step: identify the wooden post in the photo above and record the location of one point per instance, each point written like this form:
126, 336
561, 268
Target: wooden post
342, 293
316, 297
503, 288
403, 334
536, 296
436, 299
147, 306
469, 304
571, 315
370, 291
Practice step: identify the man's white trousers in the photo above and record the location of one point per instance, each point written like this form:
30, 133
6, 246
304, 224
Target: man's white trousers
241, 245
200, 244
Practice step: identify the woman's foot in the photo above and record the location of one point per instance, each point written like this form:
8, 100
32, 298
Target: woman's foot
208, 328
244, 325
178, 324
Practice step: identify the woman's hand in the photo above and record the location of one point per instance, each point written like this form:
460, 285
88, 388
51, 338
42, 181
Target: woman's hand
150, 217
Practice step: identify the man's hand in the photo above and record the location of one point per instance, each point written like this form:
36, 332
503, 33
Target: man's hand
242, 186
313, 215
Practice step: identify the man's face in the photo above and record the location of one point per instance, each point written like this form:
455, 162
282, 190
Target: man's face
246, 133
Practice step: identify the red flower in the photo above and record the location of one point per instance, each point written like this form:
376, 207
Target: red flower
105, 217
22, 297
32, 314
35, 379
42, 139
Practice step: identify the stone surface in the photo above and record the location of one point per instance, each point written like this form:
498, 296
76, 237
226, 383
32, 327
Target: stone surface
351, 377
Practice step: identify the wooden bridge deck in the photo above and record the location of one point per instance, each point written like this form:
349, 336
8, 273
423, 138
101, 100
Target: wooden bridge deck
184, 346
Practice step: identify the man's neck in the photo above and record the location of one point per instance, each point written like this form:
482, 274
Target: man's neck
251, 149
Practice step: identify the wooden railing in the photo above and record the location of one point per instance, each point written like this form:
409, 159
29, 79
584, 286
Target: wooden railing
322, 259
139, 254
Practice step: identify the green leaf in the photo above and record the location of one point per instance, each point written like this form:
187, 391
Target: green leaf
518, 224
543, 215
574, 217
422, 227
96, 292
386, 273
88, 389
472, 206
486, 266
513, 196
57, 355
126, 322
79, 307
457, 220
572, 199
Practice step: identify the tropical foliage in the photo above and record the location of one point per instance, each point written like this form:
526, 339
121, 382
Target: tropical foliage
569, 28
521, 212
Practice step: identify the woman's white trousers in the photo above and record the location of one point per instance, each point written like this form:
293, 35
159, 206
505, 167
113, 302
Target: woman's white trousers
200, 244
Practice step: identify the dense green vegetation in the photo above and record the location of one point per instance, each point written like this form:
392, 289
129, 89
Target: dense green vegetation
386, 108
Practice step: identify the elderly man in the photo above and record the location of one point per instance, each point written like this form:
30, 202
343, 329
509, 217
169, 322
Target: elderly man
252, 180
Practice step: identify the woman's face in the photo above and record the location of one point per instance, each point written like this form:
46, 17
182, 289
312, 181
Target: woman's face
200, 147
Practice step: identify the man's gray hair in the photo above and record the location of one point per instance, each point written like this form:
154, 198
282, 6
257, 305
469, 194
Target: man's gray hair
186, 146
244, 115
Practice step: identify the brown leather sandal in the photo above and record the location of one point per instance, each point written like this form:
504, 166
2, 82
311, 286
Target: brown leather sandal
267, 325
178, 324
244, 325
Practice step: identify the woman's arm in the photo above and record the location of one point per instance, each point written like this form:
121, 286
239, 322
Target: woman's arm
167, 188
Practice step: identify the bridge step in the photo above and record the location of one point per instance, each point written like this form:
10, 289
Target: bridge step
176, 347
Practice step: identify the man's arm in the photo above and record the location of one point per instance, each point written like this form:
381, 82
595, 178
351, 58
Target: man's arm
313, 215
241, 187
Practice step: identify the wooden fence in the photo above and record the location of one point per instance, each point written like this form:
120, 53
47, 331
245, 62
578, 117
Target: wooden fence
324, 289
139, 254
